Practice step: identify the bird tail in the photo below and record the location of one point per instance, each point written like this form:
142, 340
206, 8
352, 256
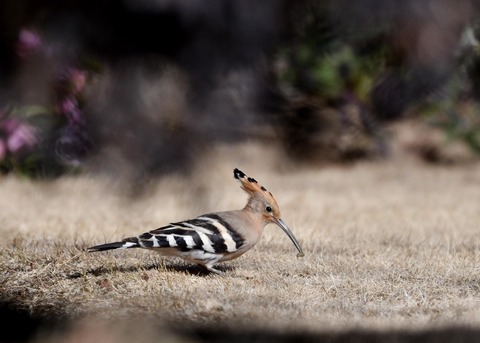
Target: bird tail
127, 243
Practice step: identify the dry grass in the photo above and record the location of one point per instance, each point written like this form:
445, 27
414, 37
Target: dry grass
392, 245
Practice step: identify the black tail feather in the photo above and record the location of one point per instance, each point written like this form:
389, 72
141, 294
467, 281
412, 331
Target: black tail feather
115, 245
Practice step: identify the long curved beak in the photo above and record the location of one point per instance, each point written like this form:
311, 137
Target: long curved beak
289, 233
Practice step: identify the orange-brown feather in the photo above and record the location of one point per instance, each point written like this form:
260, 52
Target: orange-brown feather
259, 197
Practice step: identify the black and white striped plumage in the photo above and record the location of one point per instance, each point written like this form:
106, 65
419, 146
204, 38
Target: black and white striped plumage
215, 237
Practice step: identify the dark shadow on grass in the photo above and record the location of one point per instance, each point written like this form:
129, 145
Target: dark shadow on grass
21, 326
190, 269
18, 324
196, 270
440, 335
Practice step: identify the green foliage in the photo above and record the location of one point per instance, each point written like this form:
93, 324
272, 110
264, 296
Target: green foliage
459, 121
335, 69
455, 108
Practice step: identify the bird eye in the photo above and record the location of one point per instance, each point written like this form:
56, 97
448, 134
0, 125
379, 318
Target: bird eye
268, 209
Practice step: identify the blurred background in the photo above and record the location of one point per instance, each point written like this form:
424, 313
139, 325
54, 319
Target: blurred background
147, 87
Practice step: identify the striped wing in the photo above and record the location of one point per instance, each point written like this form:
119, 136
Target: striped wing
208, 233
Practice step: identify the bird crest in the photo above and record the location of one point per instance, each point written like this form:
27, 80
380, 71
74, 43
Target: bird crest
254, 189
249, 184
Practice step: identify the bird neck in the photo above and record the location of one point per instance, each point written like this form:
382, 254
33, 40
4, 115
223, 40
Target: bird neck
251, 206
254, 209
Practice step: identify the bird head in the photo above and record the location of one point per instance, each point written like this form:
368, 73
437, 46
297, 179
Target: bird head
262, 202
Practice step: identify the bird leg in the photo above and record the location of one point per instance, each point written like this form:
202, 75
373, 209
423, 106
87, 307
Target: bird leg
210, 268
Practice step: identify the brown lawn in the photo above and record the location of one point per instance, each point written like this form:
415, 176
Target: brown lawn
388, 245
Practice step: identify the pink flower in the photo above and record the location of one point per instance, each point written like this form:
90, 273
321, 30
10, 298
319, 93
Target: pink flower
28, 42
20, 136
68, 105
78, 78
3, 150
69, 108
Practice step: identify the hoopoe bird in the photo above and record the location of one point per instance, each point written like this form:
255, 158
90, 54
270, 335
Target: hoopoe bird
215, 237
